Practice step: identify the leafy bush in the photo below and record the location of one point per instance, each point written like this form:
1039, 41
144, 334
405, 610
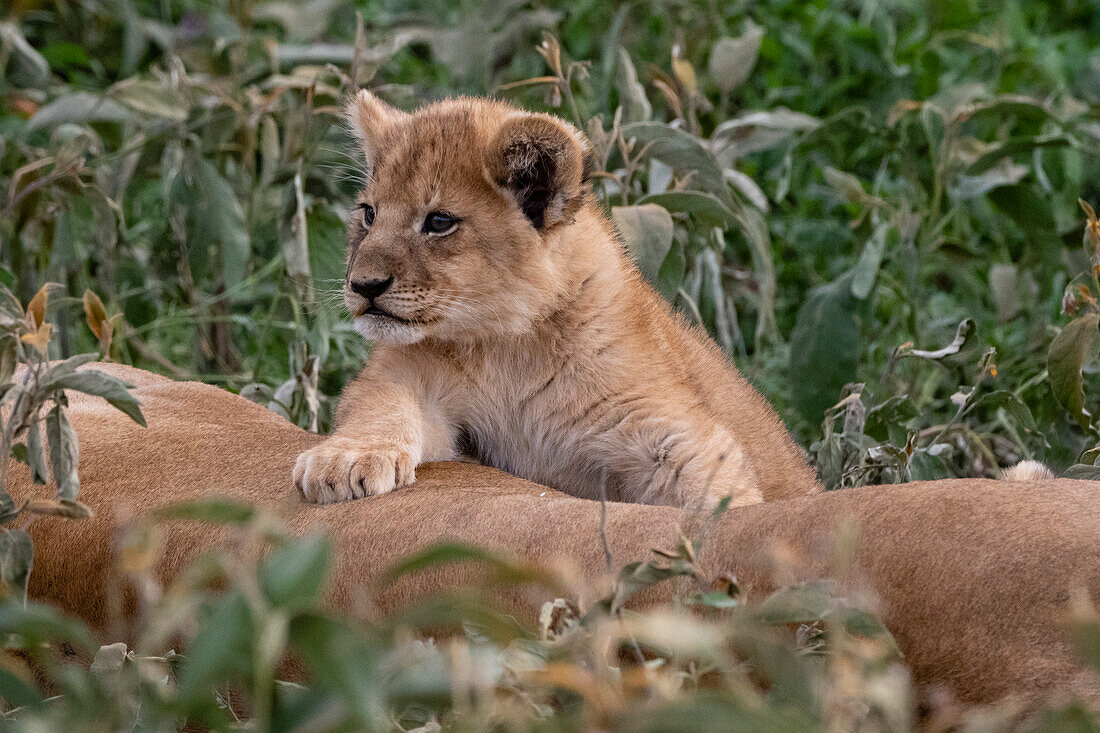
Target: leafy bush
819, 185
29, 383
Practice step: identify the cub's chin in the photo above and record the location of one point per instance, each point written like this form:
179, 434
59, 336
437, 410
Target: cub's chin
388, 330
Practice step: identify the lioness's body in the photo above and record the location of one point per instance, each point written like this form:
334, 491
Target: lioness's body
974, 576
525, 335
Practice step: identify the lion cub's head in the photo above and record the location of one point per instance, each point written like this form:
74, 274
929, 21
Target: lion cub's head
458, 231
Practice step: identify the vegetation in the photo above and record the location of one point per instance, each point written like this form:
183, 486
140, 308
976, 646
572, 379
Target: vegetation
880, 209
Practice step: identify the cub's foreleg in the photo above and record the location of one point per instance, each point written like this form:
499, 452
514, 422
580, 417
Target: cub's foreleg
385, 429
690, 466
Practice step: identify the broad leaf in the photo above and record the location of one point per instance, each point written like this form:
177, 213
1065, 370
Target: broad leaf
681, 150
216, 511
151, 98
294, 576
16, 561
99, 384
1072, 349
870, 260
79, 107
1010, 403
216, 216
221, 650
632, 97
706, 206
756, 131
35, 455
647, 230
825, 348
1082, 471
733, 59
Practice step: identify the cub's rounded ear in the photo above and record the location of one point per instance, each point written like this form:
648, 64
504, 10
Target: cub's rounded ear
543, 163
369, 118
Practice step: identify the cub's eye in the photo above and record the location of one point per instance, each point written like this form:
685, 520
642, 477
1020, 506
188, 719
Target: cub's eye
368, 214
439, 222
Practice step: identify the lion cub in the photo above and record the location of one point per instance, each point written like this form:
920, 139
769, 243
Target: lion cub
512, 326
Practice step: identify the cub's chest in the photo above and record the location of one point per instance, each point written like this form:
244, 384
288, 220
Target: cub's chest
520, 420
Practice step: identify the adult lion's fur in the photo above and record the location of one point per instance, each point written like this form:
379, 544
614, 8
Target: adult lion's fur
973, 576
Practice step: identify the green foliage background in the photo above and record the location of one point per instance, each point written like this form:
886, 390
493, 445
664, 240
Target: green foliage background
847, 181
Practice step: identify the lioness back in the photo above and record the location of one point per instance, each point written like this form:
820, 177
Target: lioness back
510, 324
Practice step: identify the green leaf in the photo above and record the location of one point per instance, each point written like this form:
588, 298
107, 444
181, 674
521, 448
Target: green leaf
795, 605
632, 97
151, 98
215, 511
99, 384
1071, 350
892, 413
295, 232
78, 107
16, 561
825, 348
755, 230
1031, 211
35, 456
847, 186
870, 260
17, 691
64, 452
1082, 471
733, 59
1004, 283
681, 150
32, 69
1004, 173
748, 188
503, 569
637, 576
756, 131
215, 216
8, 511
445, 553
647, 230
37, 625
714, 599
221, 651
294, 575
671, 274
1010, 105
67, 366
707, 207
1014, 146
962, 333
1010, 403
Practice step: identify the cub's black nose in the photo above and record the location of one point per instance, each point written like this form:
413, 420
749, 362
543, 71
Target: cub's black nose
371, 289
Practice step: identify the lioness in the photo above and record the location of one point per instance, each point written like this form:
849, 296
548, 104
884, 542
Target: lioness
974, 578
512, 326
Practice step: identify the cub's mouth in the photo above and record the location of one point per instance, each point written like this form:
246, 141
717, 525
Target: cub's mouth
374, 310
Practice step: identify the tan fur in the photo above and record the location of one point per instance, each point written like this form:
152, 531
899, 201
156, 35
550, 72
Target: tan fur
973, 577
528, 337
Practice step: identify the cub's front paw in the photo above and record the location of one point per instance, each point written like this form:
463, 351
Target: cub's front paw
341, 469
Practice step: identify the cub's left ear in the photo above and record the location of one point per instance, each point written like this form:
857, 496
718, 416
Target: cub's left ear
370, 119
544, 164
